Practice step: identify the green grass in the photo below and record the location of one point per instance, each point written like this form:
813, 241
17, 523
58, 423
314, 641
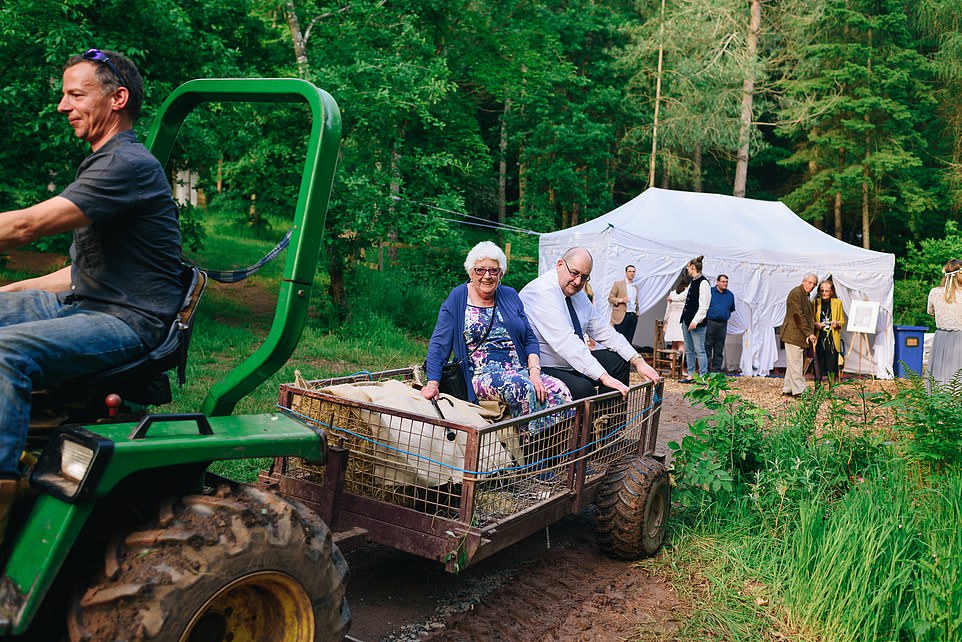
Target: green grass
832, 533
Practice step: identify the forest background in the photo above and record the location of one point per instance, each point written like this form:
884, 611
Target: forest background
466, 120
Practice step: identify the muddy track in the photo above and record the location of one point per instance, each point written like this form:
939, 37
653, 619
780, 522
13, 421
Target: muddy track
554, 586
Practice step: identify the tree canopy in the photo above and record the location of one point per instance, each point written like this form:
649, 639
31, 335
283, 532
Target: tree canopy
528, 116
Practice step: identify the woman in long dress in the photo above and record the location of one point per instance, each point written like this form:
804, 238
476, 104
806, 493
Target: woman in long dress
676, 303
829, 320
945, 303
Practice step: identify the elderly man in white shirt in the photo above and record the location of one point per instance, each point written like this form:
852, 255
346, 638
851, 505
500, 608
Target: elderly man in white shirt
561, 315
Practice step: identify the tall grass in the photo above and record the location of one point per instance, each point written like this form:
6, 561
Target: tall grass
850, 566
938, 594
854, 538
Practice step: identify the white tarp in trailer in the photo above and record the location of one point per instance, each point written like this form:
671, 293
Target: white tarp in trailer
764, 248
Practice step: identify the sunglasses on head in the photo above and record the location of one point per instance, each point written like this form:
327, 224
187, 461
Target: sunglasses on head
96, 55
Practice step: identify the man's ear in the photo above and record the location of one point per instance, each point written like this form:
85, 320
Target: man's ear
120, 98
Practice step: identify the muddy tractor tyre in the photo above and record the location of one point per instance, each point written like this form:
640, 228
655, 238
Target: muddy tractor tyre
633, 504
243, 564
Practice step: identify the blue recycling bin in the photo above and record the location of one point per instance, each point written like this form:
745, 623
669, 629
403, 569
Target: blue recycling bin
909, 347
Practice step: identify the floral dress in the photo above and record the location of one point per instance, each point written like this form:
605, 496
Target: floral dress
498, 372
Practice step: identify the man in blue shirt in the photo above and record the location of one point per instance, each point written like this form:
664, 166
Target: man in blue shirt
719, 311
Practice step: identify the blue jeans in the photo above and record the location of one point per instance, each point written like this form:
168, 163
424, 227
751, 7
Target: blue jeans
44, 341
695, 348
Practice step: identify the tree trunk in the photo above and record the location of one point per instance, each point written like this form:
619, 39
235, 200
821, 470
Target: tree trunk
654, 127
838, 196
297, 37
335, 268
503, 165
866, 223
748, 95
696, 169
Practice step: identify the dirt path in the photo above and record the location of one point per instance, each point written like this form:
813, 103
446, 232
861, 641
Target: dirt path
553, 586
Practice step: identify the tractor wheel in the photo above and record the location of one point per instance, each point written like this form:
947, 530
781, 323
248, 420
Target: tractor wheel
633, 505
244, 564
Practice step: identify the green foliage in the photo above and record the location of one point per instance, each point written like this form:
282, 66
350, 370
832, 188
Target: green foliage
856, 105
920, 269
192, 232
849, 567
858, 543
411, 303
938, 593
930, 414
719, 456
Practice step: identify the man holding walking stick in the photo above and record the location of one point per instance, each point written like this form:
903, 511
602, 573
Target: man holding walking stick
798, 333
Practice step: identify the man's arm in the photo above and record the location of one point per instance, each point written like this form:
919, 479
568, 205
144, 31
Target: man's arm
614, 298
49, 217
58, 281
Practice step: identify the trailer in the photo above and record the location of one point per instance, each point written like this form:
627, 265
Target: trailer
458, 493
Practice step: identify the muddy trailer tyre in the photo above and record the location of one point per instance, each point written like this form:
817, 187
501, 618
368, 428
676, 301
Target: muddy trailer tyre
633, 504
243, 564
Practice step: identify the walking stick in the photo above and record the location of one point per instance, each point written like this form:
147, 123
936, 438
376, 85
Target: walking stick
815, 369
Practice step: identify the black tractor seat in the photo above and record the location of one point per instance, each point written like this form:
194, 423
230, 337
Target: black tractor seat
141, 382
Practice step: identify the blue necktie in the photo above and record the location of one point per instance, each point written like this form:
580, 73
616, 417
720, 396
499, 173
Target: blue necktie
574, 318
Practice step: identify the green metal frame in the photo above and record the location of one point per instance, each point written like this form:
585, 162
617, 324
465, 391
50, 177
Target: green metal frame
309, 215
53, 526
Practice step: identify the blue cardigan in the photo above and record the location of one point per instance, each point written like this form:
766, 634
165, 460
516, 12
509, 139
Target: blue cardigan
448, 333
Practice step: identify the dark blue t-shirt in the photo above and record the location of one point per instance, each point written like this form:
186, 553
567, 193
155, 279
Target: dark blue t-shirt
127, 262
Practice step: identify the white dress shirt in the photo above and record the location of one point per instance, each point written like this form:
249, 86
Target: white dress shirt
544, 303
632, 293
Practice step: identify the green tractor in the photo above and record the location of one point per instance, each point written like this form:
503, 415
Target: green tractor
121, 533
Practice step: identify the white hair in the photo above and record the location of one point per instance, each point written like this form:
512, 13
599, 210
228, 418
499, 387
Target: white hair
485, 250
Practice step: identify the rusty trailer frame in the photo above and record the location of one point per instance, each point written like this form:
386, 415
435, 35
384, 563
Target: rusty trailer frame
509, 479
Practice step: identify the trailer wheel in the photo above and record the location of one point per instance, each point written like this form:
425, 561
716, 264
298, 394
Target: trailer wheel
244, 564
633, 504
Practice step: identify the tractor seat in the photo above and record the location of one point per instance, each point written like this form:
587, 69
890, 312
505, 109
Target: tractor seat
144, 380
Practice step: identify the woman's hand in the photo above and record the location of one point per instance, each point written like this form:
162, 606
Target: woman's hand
818, 325
540, 392
430, 390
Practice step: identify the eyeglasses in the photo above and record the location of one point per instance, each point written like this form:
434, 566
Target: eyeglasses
96, 55
576, 275
480, 272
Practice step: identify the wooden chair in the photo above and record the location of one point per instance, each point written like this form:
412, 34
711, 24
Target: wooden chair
666, 361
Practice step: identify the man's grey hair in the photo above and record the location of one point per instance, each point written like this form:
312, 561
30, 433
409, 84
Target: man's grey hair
485, 250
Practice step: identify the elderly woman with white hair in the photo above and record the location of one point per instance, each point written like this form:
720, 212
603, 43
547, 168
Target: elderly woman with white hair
484, 324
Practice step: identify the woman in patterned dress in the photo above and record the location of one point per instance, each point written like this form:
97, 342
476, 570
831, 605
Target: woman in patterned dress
504, 366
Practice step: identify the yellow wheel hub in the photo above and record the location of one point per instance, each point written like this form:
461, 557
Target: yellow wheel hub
260, 607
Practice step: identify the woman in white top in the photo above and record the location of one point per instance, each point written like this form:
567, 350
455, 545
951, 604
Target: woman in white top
945, 303
676, 303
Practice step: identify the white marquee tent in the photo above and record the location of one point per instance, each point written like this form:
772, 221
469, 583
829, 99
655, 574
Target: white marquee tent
764, 248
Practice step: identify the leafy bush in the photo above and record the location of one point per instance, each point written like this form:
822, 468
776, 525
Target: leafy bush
930, 414
938, 594
920, 268
732, 453
719, 455
410, 304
